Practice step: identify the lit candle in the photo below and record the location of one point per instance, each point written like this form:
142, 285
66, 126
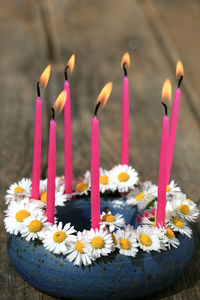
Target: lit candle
174, 119
95, 185
51, 171
125, 112
67, 130
36, 169
162, 180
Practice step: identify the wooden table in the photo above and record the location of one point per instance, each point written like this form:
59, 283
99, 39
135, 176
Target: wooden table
157, 34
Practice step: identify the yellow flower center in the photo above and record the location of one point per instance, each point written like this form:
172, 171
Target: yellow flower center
125, 243
189, 200
123, 177
35, 226
145, 240
81, 187
168, 189
59, 236
139, 197
169, 233
79, 246
21, 215
43, 197
108, 218
114, 239
18, 189
97, 242
178, 223
103, 179
154, 223
184, 209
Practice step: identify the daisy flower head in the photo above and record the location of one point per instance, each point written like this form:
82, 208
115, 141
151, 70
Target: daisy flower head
76, 252
127, 242
171, 189
124, 177
111, 222
143, 200
148, 239
98, 243
170, 238
16, 213
83, 184
58, 239
176, 223
105, 183
18, 191
186, 208
34, 227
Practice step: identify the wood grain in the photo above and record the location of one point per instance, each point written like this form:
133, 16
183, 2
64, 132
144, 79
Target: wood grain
98, 32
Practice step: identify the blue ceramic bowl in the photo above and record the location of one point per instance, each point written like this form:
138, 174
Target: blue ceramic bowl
116, 276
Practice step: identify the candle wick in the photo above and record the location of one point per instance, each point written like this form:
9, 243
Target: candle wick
165, 106
180, 80
38, 88
52, 113
125, 71
97, 108
65, 72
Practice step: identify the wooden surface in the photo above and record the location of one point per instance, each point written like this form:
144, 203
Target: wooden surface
157, 34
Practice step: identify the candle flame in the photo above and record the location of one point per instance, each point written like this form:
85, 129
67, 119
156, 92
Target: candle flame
60, 101
166, 91
105, 94
71, 63
179, 69
125, 60
44, 78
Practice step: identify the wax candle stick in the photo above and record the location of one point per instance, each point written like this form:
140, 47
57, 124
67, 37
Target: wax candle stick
51, 172
35, 191
162, 179
125, 113
174, 120
95, 185
67, 130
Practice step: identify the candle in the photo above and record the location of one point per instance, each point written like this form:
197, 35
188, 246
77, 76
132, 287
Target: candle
125, 112
51, 172
95, 185
36, 169
67, 130
174, 120
162, 180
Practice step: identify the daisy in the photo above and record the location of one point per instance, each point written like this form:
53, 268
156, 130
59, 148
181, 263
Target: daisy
111, 222
186, 208
105, 182
124, 177
171, 189
176, 223
147, 218
34, 227
148, 240
58, 239
77, 254
82, 185
127, 242
143, 200
16, 213
98, 242
18, 191
170, 238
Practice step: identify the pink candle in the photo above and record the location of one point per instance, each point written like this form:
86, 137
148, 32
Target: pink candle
172, 132
162, 180
125, 113
51, 172
95, 194
68, 141
125, 124
174, 119
35, 193
67, 130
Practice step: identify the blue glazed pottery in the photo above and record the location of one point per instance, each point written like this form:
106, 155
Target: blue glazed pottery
116, 276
